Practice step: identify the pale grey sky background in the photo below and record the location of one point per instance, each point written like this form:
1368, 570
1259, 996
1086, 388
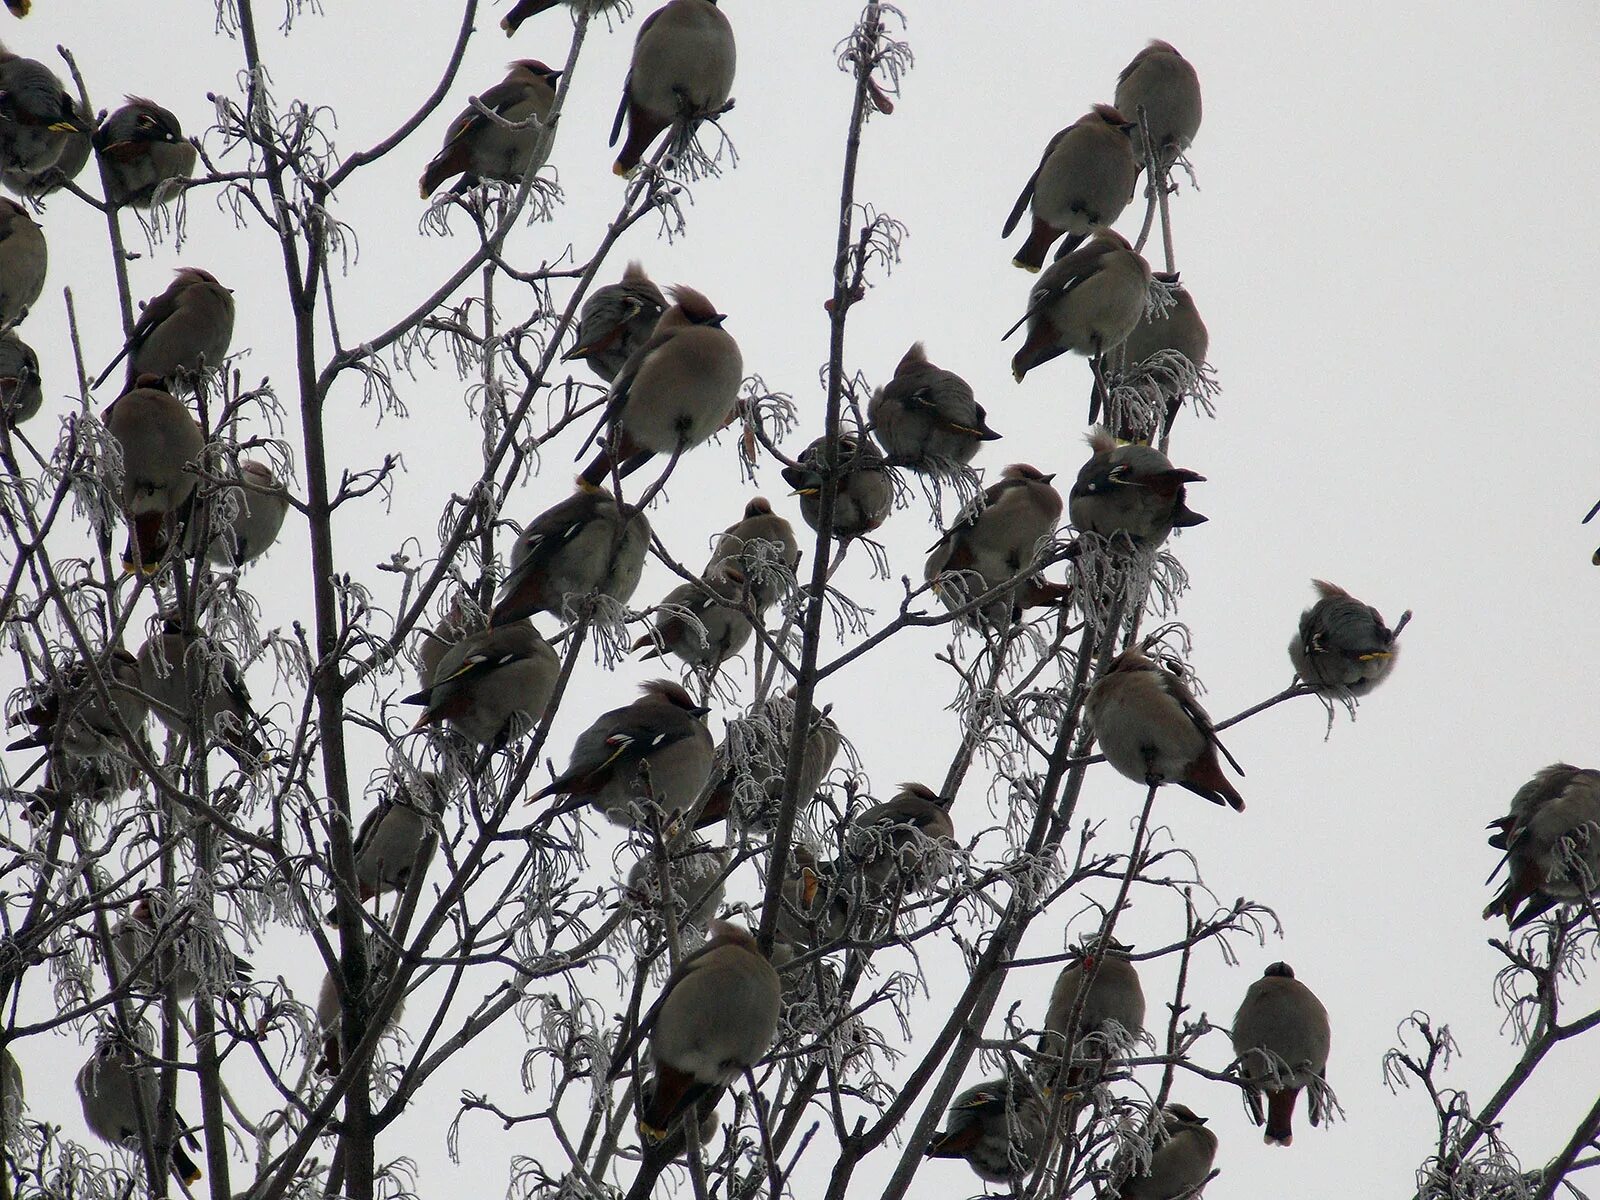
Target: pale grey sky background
1392, 245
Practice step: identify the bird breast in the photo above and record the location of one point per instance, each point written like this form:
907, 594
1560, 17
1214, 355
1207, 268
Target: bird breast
684, 390
1142, 730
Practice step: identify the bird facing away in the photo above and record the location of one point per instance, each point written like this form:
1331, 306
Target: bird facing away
141, 147
1161, 86
995, 542
477, 148
114, 1086
158, 438
1152, 730
750, 765
330, 1010
177, 666
1110, 1011
998, 1131
864, 492
616, 322
677, 390
1088, 302
397, 837
245, 518
905, 837
700, 622
1180, 1159
1343, 648
696, 871
491, 685
926, 418
21, 390
184, 330
657, 748
1281, 1037
761, 549
154, 952
584, 545
716, 1018
682, 71
1551, 839
1083, 182
24, 258
1148, 351
1132, 492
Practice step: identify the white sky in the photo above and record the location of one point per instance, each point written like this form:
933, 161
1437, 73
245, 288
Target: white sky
1390, 247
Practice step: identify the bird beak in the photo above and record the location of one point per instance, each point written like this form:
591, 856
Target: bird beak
1375, 654
699, 711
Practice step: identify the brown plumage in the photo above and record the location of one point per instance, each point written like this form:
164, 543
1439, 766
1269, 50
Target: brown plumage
477, 148
682, 70
1083, 182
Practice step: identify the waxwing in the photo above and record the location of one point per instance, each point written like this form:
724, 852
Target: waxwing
682, 70
38, 120
677, 390
1281, 1037
11, 1095
997, 541
617, 322
141, 147
1180, 1158
117, 1087
523, 9
177, 666
23, 259
1088, 302
696, 870
1161, 82
1081, 186
397, 837
700, 622
68, 716
245, 518
583, 545
749, 769
818, 906
657, 748
925, 417
1343, 647
1167, 348
21, 392
1109, 1016
716, 1018
999, 1136
907, 837
154, 952
1152, 730
760, 550
37, 181
159, 437
477, 148
1551, 840
1133, 491
186, 328
330, 1010
864, 491
492, 685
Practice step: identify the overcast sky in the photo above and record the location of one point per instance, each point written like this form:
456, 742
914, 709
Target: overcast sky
1392, 245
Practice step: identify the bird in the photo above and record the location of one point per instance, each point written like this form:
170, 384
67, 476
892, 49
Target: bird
676, 390
491, 686
1281, 1037
1083, 182
655, 1156
925, 418
697, 870
179, 668
68, 717
159, 438
12, 1099
21, 391
1131, 492
1180, 1158
477, 148
750, 765
997, 1127
700, 622
584, 545
1148, 350
761, 549
821, 904
995, 541
716, 1017
1152, 730
682, 70
657, 748
397, 837
863, 490
45, 178
906, 837
1110, 1013
1343, 648
330, 1009
616, 322
1088, 302
1160, 85
141, 147
154, 952
38, 119
1551, 840
24, 259
182, 331
118, 1091
245, 517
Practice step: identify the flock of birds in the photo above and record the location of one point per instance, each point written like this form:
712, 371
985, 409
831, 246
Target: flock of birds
674, 375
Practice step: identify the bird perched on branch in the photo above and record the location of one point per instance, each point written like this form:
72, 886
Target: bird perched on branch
68, 716
159, 439
477, 147
700, 622
115, 1086
179, 668
616, 322
997, 1127
244, 518
926, 416
762, 549
863, 491
38, 119
682, 71
181, 332
1152, 730
1175, 330
330, 1009
397, 837
904, 838
1181, 1155
1343, 648
750, 765
492, 685
21, 390
677, 390
24, 258
1132, 492
1281, 1037
1105, 991
584, 545
1551, 840
996, 541
1162, 85
1083, 182
155, 951
141, 147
